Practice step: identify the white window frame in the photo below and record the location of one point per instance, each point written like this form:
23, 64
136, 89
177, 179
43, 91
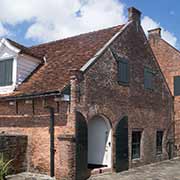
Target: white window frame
10, 88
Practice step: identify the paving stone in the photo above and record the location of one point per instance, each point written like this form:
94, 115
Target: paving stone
166, 170
29, 176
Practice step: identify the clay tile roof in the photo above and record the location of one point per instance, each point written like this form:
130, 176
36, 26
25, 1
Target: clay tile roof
63, 55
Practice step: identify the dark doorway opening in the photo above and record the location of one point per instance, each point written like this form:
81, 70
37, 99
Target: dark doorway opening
122, 157
95, 166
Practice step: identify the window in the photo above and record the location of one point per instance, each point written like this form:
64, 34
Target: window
136, 142
177, 85
159, 139
6, 67
123, 71
148, 79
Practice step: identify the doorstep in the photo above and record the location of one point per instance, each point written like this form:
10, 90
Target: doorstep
101, 170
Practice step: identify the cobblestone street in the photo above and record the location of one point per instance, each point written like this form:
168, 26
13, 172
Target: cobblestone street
167, 170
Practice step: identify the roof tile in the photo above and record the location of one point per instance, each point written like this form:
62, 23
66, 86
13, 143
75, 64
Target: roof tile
62, 56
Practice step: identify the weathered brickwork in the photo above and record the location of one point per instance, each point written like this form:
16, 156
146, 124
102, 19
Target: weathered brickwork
96, 92
169, 61
36, 127
14, 147
146, 110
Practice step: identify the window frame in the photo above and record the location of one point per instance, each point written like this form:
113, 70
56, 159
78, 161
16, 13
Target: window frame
7, 59
159, 147
137, 144
150, 71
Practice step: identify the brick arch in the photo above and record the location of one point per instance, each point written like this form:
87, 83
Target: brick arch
105, 117
119, 117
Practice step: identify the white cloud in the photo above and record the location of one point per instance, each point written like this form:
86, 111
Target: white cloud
148, 24
3, 30
55, 19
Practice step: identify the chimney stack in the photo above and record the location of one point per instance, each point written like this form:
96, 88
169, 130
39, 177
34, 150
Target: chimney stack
154, 33
134, 15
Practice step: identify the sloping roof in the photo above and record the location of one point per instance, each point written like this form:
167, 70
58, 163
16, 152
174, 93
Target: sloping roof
61, 56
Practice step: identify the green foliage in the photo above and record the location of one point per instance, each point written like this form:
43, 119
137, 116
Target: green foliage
4, 166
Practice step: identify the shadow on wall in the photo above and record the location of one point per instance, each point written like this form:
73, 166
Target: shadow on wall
14, 147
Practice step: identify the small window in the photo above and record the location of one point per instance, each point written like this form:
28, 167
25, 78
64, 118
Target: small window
136, 144
6, 67
159, 139
177, 85
148, 79
123, 71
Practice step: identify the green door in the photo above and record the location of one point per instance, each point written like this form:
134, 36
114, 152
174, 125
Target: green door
122, 161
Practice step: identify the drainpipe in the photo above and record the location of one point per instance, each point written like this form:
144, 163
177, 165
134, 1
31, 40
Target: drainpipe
51, 131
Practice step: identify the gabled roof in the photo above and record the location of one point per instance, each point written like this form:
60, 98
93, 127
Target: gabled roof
61, 56
23, 49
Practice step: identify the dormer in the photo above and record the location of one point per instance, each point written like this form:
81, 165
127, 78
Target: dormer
16, 64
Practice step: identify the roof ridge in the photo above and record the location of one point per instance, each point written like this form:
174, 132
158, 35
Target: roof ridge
75, 36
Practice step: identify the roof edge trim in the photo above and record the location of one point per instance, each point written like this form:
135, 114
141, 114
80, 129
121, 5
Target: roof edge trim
9, 45
93, 59
31, 96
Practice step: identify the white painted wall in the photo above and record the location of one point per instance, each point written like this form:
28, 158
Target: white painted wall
23, 65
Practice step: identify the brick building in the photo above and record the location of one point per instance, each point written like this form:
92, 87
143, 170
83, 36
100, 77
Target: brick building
169, 61
112, 105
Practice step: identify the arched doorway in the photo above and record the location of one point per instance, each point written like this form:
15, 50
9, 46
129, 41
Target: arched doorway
81, 146
99, 142
122, 157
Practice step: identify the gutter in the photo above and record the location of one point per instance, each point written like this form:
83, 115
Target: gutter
31, 96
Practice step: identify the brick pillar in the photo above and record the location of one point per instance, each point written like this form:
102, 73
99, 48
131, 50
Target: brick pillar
67, 141
67, 146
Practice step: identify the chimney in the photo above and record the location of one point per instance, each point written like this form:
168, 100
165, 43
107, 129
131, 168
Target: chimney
134, 15
154, 33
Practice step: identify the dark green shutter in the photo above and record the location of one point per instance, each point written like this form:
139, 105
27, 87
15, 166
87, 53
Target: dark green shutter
123, 71
6, 68
148, 79
177, 85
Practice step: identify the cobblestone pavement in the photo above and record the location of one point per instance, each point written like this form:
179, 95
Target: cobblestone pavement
29, 176
167, 170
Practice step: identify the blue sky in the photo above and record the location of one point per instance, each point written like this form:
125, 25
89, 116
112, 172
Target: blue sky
30, 23
166, 12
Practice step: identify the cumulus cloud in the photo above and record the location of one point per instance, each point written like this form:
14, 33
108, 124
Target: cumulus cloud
148, 24
55, 19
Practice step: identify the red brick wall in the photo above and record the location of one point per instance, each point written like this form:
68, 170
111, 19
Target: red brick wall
147, 110
169, 60
36, 127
